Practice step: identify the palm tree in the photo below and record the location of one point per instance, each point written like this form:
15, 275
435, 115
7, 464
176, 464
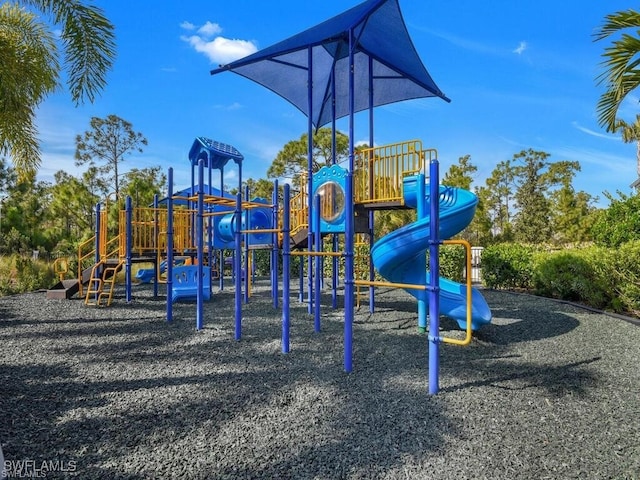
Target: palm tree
621, 74
631, 133
30, 66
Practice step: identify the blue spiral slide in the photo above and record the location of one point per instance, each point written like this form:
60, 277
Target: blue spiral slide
400, 256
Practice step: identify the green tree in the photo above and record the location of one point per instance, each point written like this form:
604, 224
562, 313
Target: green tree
142, 185
260, 188
71, 208
570, 210
25, 210
498, 199
532, 222
479, 232
30, 66
292, 160
386, 221
106, 145
460, 175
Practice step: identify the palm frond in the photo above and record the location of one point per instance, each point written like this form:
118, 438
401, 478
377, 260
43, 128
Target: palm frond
620, 73
89, 41
28, 73
616, 22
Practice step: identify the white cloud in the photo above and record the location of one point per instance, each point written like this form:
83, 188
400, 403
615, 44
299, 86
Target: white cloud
230, 107
594, 133
218, 49
521, 48
210, 29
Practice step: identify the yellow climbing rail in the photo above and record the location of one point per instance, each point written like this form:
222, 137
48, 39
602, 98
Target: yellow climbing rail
468, 332
299, 208
379, 171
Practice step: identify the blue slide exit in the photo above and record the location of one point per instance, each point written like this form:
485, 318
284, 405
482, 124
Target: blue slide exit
400, 256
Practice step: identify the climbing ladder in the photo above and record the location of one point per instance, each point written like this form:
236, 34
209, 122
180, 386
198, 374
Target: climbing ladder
102, 282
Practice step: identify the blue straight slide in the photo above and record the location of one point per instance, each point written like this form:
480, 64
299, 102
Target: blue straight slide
400, 256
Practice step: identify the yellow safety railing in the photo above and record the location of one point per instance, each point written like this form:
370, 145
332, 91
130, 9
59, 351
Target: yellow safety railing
361, 266
379, 171
468, 332
299, 208
60, 267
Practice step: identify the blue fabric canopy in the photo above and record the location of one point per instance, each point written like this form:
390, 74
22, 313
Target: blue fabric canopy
384, 57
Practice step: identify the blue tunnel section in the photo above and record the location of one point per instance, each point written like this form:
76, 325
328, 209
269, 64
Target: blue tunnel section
259, 218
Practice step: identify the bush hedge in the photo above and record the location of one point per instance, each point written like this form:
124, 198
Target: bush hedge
600, 277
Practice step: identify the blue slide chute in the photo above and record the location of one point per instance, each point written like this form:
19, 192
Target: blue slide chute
400, 256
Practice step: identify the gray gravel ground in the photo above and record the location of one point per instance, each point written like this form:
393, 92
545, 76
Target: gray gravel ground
548, 390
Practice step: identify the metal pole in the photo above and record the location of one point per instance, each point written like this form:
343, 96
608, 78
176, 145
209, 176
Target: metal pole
434, 280
200, 248
286, 258
170, 247
349, 228
318, 273
129, 240
238, 267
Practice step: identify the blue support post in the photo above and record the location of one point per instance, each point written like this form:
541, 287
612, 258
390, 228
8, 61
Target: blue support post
334, 260
434, 278
334, 273
200, 248
156, 234
286, 258
349, 227
372, 273
301, 275
310, 174
421, 213
318, 264
170, 246
238, 267
129, 240
274, 249
247, 227
221, 264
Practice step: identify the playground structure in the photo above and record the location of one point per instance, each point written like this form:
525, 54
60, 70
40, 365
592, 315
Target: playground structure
169, 234
354, 62
185, 234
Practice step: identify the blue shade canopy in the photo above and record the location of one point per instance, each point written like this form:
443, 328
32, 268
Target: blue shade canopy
384, 56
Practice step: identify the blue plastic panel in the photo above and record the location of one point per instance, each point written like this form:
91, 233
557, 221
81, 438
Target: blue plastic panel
330, 181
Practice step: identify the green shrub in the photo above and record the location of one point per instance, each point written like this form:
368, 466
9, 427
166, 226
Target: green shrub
621, 267
618, 224
508, 265
451, 262
19, 274
571, 275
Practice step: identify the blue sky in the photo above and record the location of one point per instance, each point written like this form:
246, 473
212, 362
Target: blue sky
520, 74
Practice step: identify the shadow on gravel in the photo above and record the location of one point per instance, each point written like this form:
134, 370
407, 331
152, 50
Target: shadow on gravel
522, 319
557, 380
129, 396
